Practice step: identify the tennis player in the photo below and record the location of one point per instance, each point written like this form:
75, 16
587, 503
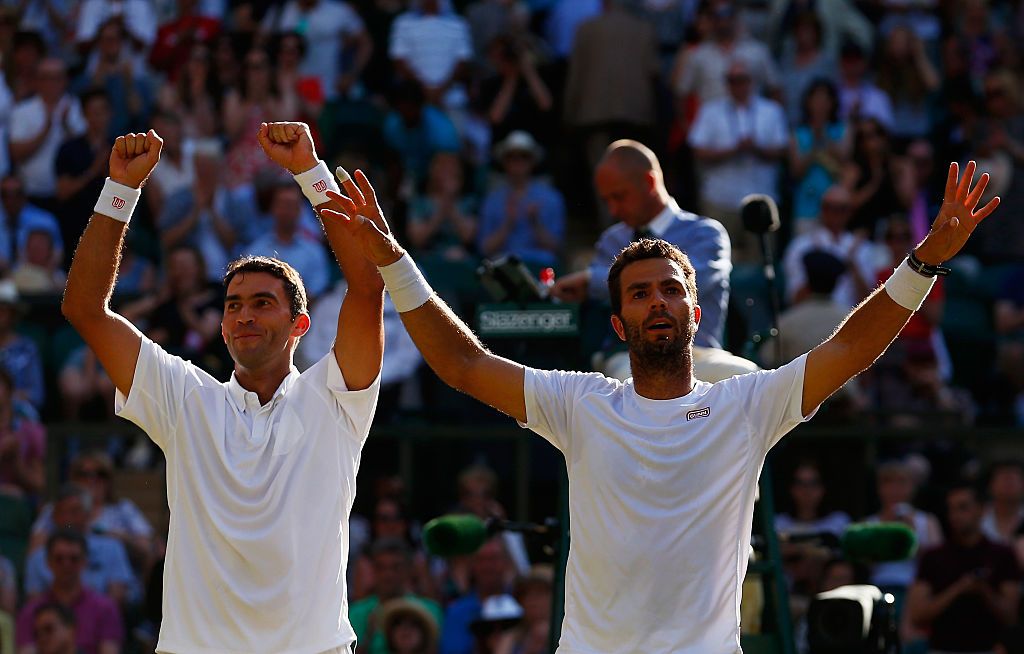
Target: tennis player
662, 468
261, 470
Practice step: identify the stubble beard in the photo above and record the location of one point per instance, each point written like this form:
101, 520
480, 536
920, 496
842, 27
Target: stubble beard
671, 356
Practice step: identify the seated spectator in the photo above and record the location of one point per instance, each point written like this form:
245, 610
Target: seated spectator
524, 216
477, 494
896, 487
175, 172
82, 380
431, 46
804, 63
408, 628
392, 566
389, 522
533, 593
489, 578
817, 150
1004, 513
17, 218
53, 630
108, 571
859, 99
911, 393
909, 79
499, 616
417, 131
27, 50
967, 589
98, 627
19, 355
289, 51
516, 97
140, 20
1009, 325
175, 39
22, 444
442, 222
286, 242
195, 97
871, 177
108, 515
858, 255
38, 271
113, 68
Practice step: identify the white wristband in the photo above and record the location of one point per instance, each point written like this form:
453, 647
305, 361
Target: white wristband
908, 288
406, 285
117, 201
315, 183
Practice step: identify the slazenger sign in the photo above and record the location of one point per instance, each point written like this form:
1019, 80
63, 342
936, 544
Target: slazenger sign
512, 322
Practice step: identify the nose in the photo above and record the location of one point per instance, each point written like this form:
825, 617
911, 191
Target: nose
244, 316
658, 299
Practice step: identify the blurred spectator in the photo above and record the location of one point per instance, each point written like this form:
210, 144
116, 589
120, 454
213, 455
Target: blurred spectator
82, 380
805, 64
1004, 514
807, 492
195, 97
8, 586
379, 16
477, 494
1009, 325
81, 168
287, 243
872, 177
38, 271
430, 44
739, 141
838, 20
176, 38
708, 66
228, 60
808, 322
98, 628
918, 190
38, 127
974, 26
408, 628
138, 16
392, 564
27, 51
533, 593
609, 96
499, 615
896, 487
442, 222
913, 394
967, 589
908, 78
289, 50
175, 172
524, 216
817, 150
48, 19
330, 28
18, 354
113, 68
489, 575
108, 570
490, 20
860, 99
18, 217
108, 515
185, 316
516, 96
53, 630
22, 445
200, 216
564, 19
257, 100
417, 131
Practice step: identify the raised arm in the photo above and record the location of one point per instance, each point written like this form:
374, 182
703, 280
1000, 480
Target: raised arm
93, 273
359, 346
872, 326
448, 345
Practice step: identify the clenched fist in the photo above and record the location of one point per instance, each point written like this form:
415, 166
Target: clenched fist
133, 158
289, 145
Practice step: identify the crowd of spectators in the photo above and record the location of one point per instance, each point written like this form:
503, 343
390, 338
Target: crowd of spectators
482, 123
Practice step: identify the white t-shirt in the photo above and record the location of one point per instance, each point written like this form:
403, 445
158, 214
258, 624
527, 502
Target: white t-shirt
260, 499
324, 27
433, 46
28, 118
661, 496
868, 257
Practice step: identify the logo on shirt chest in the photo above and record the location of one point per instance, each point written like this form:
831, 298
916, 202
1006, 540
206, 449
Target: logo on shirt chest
698, 413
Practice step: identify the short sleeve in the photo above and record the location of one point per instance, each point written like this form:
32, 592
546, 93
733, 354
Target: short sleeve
399, 45
25, 123
158, 392
357, 407
772, 400
550, 396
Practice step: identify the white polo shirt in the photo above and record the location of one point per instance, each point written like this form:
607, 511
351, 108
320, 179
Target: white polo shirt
260, 499
661, 496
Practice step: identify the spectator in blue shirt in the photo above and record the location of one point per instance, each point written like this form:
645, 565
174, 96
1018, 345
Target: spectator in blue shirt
17, 218
19, 355
417, 131
490, 569
524, 216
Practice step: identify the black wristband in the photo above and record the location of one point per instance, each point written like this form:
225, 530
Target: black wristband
927, 270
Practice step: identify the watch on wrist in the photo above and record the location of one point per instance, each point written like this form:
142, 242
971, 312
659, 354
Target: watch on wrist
926, 269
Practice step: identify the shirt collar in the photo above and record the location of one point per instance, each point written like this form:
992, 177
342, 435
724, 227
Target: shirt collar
238, 394
660, 223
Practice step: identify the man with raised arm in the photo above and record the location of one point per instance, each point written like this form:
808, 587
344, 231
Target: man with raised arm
662, 468
261, 470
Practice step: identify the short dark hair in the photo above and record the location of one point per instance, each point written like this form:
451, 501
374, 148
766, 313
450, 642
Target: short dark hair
64, 613
66, 535
965, 485
293, 286
648, 248
92, 93
394, 546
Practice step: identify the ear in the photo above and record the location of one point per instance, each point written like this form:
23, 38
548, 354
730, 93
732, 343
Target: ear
301, 325
696, 316
651, 181
619, 327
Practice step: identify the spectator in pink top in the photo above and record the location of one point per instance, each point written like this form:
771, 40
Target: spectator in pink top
22, 445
